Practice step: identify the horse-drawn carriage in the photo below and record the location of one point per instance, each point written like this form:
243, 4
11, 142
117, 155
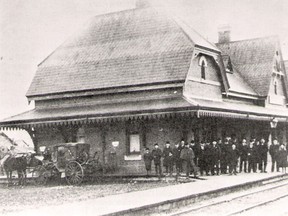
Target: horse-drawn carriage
71, 160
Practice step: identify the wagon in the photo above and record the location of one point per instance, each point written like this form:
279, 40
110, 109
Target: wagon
71, 160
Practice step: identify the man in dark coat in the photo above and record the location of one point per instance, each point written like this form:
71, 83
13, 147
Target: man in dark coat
251, 157
225, 155
215, 157
257, 152
187, 156
201, 158
263, 150
243, 152
208, 158
157, 154
233, 159
176, 151
194, 147
168, 159
148, 160
282, 157
273, 150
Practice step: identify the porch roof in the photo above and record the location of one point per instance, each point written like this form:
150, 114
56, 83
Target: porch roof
98, 113
238, 110
142, 109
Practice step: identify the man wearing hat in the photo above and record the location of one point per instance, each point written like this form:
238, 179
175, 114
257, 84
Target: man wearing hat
187, 155
157, 154
168, 158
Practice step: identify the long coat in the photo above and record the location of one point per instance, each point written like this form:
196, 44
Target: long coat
282, 157
148, 160
233, 156
243, 152
157, 154
176, 153
167, 156
273, 150
187, 154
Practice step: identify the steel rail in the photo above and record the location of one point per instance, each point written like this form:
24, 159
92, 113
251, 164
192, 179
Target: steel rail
235, 198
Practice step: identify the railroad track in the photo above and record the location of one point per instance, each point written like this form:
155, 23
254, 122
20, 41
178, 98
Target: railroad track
239, 202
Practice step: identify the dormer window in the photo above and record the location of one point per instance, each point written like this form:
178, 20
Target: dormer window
203, 65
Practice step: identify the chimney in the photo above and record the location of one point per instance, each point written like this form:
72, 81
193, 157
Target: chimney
142, 3
224, 34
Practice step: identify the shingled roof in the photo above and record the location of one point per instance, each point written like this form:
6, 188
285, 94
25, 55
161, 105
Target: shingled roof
253, 59
133, 47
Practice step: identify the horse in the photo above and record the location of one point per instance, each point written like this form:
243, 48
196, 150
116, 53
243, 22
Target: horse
16, 163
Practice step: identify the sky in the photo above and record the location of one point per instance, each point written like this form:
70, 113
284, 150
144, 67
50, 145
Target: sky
32, 29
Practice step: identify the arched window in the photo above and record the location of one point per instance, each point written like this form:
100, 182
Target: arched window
203, 70
275, 87
203, 65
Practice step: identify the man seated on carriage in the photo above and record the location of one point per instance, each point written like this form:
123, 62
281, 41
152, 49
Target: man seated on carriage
83, 156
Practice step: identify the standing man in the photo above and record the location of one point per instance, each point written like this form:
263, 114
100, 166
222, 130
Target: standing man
182, 146
148, 160
251, 157
225, 155
208, 158
215, 157
233, 159
243, 152
168, 159
273, 150
157, 154
194, 147
201, 158
176, 151
257, 152
187, 156
263, 150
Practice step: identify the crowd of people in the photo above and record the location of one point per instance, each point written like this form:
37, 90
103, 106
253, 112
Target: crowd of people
216, 157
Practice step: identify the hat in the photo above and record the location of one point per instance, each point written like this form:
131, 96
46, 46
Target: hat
156, 144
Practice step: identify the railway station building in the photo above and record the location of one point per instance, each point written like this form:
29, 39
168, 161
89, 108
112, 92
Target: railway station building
137, 77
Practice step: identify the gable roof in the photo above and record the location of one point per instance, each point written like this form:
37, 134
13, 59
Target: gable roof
127, 48
253, 59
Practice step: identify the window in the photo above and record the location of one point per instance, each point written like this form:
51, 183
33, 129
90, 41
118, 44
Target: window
275, 87
135, 137
203, 70
203, 65
134, 143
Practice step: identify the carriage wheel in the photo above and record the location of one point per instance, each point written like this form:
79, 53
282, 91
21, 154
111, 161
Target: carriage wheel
74, 173
40, 175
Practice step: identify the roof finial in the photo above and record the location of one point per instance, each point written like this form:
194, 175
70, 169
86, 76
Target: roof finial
142, 3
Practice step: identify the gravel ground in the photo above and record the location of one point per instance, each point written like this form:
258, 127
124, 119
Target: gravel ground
17, 198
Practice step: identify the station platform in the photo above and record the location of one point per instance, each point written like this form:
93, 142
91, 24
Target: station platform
156, 200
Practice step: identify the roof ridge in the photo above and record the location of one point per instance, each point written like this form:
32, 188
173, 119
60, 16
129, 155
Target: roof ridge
121, 11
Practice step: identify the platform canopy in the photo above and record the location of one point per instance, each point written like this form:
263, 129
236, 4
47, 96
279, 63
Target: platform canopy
141, 110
